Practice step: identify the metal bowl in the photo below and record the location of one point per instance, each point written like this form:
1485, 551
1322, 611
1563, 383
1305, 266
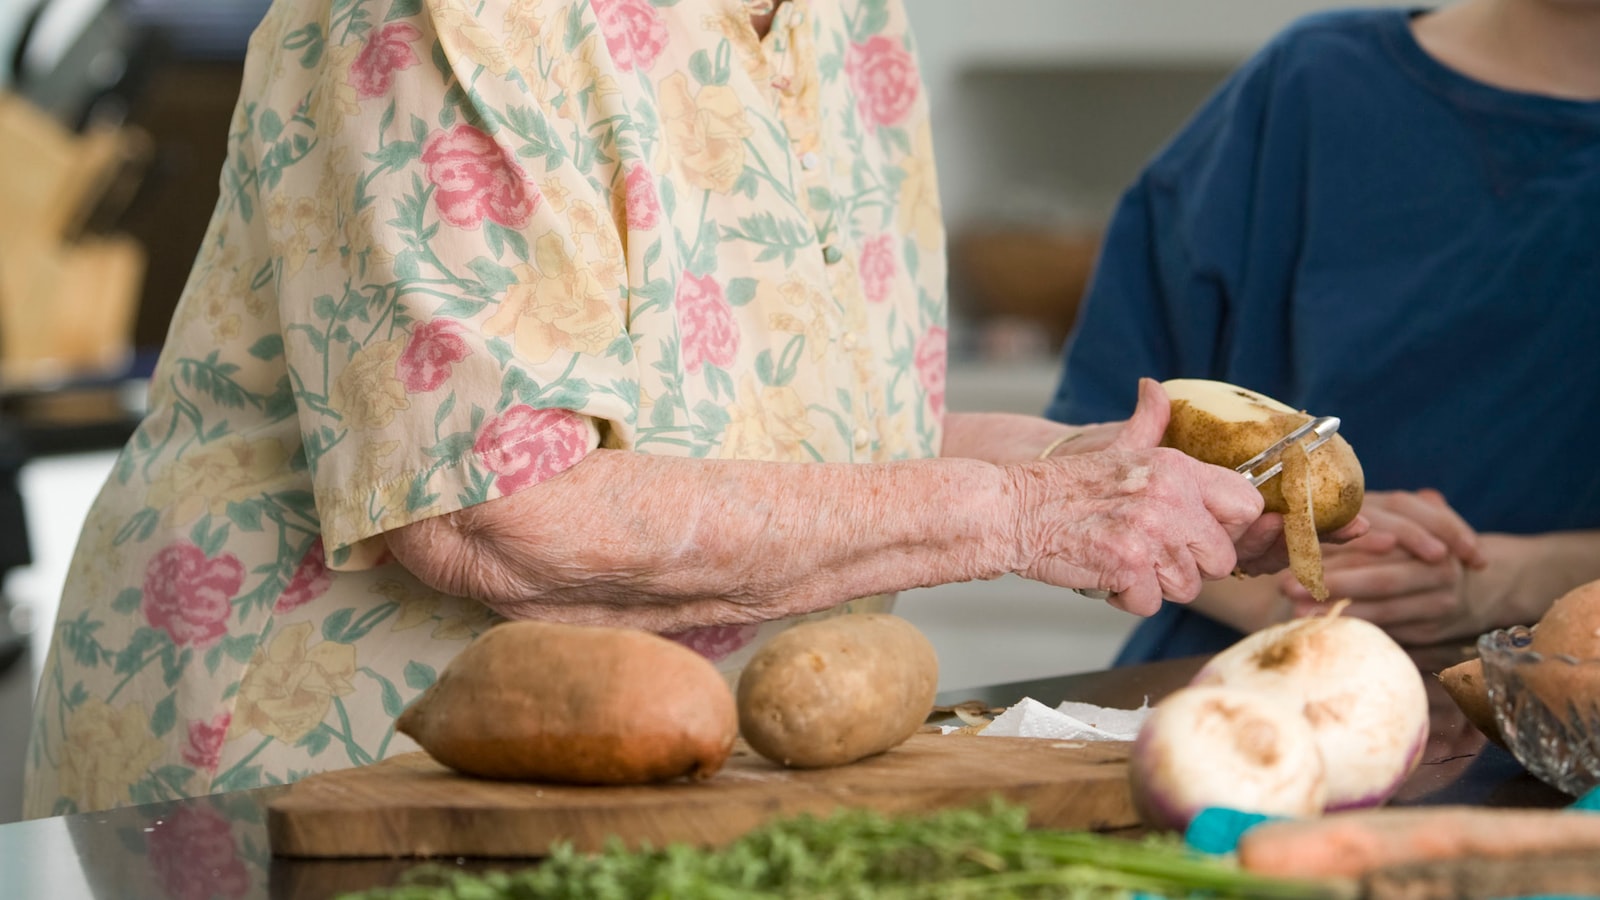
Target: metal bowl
1547, 707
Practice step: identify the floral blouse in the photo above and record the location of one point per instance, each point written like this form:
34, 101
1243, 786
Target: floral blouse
458, 245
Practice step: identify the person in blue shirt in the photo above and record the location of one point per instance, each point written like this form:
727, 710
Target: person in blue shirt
1393, 217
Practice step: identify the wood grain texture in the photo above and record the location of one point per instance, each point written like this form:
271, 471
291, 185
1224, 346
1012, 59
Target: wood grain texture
412, 806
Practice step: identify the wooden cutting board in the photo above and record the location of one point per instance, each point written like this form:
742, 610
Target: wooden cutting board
412, 806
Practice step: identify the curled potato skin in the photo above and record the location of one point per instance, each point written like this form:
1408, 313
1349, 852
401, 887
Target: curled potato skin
539, 701
831, 692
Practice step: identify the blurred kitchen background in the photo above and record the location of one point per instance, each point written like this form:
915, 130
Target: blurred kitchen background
113, 115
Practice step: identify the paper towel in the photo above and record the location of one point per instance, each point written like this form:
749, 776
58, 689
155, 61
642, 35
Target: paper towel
1070, 721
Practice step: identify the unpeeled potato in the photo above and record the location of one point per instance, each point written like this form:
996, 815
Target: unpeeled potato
1320, 492
833, 691
539, 701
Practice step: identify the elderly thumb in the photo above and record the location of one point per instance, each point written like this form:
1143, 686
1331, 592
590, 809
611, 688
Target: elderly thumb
1148, 423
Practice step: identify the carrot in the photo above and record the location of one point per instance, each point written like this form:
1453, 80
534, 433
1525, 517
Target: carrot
1355, 843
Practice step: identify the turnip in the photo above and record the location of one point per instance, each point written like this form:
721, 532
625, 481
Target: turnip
1229, 747
1361, 693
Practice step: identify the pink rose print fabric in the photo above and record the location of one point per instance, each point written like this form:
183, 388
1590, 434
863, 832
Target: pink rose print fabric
187, 594
644, 206
877, 267
635, 32
424, 364
387, 51
205, 742
526, 446
885, 77
474, 179
311, 580
456, 248
931, 352
709, 332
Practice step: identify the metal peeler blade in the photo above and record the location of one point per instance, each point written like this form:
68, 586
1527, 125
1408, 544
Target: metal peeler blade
1264, 465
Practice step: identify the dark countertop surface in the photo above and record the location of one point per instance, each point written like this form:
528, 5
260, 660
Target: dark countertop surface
216, 846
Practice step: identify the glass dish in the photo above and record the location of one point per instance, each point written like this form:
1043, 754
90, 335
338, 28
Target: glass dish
1547, 707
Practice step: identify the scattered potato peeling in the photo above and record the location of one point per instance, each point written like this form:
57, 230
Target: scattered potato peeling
1299, 521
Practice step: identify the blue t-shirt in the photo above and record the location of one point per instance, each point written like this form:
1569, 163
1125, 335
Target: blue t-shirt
1357, 230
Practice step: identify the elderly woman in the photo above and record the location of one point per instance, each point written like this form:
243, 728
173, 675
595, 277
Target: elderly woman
595, 311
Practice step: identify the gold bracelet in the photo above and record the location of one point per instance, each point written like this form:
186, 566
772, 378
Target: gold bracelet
1055, 445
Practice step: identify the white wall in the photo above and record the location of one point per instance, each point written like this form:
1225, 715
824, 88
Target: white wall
1181, 45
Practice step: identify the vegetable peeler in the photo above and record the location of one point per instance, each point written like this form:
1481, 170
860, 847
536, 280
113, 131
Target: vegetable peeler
1265, 465
1261, 467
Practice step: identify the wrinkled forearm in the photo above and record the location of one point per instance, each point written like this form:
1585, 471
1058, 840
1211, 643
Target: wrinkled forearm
664, 543
999, 437
1526, 573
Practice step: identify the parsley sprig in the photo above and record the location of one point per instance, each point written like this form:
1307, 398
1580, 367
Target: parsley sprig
860, 855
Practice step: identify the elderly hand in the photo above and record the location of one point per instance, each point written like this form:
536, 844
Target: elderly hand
1135, 519
1258, 545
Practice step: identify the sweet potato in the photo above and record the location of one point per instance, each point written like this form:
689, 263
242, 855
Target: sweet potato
1571, 626
1355, 843
1465, 685
539, 701
834, 691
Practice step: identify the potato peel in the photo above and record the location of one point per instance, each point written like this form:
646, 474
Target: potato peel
1299, 523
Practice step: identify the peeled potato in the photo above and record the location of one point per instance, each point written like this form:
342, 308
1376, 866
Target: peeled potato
1225, 425
539, 701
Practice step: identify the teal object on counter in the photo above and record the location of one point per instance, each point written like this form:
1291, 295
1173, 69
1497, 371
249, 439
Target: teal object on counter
1218, 829
1589, 802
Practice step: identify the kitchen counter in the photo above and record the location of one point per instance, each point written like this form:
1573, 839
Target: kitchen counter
216, 846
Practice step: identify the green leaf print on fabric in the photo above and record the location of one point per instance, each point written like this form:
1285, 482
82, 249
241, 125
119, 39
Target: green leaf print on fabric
309, 41
452, 447
495, 277
246, 514
420, 676
269, 125
127, 601
317, 739
268, 347
501, 237
401, 9
778, 238
136, 654
238, 647
165, 715
577, 29
173, 663
216, 379
78, 636
209, 540
336, 623
392, 704
788, 364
